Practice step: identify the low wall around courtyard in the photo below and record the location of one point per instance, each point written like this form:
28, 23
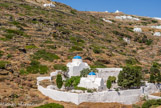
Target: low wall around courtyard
124, 97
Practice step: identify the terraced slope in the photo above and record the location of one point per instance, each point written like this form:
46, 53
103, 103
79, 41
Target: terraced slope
34, 38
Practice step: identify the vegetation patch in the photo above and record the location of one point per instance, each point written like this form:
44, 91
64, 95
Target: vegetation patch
30, 47
34, 67
76, 48
51, 105
60, 67
72, 82
45, 55
3, 64
152, 103
130, 77
98, 64
1, 53
131, 61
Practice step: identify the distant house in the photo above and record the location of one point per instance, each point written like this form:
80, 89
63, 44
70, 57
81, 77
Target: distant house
137, 30
127, 18
49, 5
92, 82
156, 27
157, 34
117, 11
76, 66
106, 20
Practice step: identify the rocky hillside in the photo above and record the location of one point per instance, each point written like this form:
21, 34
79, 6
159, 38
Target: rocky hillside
34, 38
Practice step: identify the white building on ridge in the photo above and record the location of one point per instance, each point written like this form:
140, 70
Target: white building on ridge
92, 82
137, 30
76, 66
117, 11
157, 34
49, 5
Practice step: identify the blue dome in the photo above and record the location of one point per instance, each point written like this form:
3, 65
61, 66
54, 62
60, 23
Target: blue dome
77, 57
91, 73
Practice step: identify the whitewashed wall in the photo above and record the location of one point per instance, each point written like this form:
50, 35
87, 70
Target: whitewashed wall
59, 95
124, 97
106, 72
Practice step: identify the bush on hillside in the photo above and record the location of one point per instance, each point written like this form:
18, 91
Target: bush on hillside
34, 67
45, 55
60, 67
98, 64
51, 105
3, 64
1, 53
150, 103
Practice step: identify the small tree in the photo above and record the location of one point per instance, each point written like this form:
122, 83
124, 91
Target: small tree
155, 73
112, 79
59, 81
108, 84
130, 77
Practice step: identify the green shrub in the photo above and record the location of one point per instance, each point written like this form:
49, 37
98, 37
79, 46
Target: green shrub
130, 77
10, 33
51, 105
98, 64
64, 30
154, 21
80, 88
59, 81
17, 32
23, 72
45, 55
4, 5
73, 11
73, 81
97, 50
49, 41
30, 47
108, 84
76, 48
150, 103
3, 64
89, 91
135, 106
35, 67
1, 53
60, 67
51, 46
112, 79
9, 56
131, 61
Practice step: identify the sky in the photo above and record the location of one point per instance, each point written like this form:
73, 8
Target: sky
149, 8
